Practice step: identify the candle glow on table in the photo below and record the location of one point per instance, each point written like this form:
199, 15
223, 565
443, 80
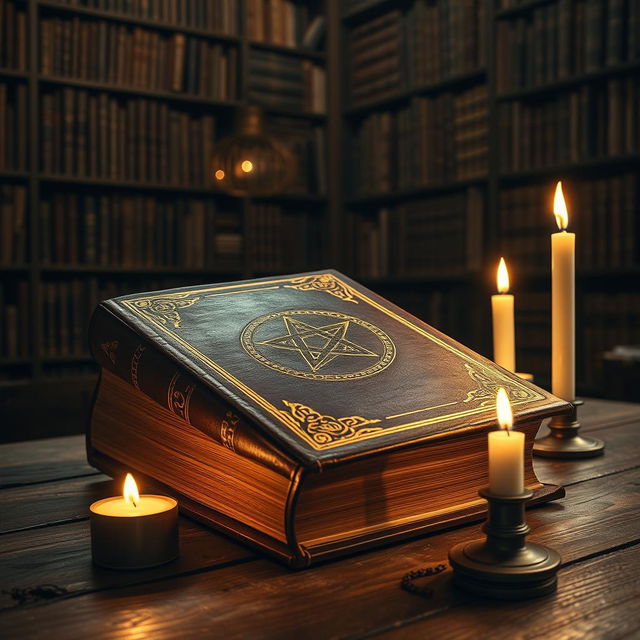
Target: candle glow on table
504, 344
562, 303
134, 531
506, 452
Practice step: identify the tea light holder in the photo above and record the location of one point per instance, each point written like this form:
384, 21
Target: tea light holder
505, 565
563, 440
134, 532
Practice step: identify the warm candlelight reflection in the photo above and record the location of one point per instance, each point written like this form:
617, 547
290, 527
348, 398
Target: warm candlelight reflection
503, 409
131, 495
503, 277
560, 208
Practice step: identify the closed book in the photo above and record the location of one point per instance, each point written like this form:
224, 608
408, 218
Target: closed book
302, 414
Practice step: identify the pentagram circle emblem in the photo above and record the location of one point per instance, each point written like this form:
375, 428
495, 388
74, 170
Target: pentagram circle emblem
318, 345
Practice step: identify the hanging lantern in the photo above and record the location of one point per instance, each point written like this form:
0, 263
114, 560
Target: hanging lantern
249, 162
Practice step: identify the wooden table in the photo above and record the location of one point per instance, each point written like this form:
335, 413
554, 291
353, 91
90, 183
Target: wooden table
219, 589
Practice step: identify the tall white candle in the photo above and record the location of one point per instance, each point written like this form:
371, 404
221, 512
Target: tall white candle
504, 343
506, 452
563, 246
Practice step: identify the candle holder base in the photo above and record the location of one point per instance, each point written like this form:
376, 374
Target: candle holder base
504, 565
563, 440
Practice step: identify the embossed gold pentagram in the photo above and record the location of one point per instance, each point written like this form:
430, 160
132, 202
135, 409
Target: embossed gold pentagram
309, 347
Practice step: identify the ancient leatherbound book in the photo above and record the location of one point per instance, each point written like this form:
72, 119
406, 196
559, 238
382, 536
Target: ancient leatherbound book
303, 414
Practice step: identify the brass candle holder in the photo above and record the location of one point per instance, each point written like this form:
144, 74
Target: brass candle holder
505, 565
563, 440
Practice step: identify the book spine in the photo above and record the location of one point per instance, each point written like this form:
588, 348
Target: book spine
118, 349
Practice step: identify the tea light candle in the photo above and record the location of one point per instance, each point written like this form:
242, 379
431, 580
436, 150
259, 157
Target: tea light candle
134, 531
506, 453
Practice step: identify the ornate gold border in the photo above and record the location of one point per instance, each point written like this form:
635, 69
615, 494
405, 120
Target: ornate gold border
515, 388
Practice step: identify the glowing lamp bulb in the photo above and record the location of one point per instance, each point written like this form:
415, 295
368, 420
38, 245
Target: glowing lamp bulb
219, 174
502, 277
560, 208
130, 493
247, 166
503, 409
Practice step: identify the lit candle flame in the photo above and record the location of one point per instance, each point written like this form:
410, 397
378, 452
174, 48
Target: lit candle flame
247, 166
131, 495
503, 409
560, 208
503, 277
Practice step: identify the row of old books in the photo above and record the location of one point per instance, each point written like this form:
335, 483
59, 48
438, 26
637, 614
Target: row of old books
283, 239
13, 126
434, 237
121, 138
66, 306
126, 55
283, 22
13, 224
605, 222
138, 231
13, 35
566, 38
220, 16
428, 43
14, 320
591, 122
281, 82
434, 140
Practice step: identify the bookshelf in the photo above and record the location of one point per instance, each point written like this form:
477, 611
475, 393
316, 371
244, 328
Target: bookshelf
78, 210
579, 58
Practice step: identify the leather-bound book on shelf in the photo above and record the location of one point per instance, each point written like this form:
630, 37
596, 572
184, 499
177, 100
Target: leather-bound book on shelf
302, 414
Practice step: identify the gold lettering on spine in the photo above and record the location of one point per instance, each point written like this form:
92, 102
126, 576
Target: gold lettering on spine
110, 349
178, 399
135, 361
228, 429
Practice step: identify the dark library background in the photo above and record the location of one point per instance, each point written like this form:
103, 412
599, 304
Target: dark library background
427, 136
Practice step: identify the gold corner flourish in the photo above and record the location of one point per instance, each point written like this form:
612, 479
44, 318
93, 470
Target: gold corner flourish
323, 282
488, 386
165, 308
326, 430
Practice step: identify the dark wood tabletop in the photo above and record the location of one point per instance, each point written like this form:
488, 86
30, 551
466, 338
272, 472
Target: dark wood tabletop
220, 589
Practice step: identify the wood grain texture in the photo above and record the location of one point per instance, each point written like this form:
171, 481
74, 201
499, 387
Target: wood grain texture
360, 593
62, 556
45, 460
219, 589
596, 599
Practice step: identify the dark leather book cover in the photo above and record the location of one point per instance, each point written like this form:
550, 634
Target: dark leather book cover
324, 368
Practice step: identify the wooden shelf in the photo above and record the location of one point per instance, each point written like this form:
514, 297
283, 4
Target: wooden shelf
135, 20
13, 174
68, 359
138, 270
410, 194
456, 82
372, 10
569, 83
14, 362
294, 52
13, 73
148, 93
14, 268
49, 179
522, 8
435, 278
613, 164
